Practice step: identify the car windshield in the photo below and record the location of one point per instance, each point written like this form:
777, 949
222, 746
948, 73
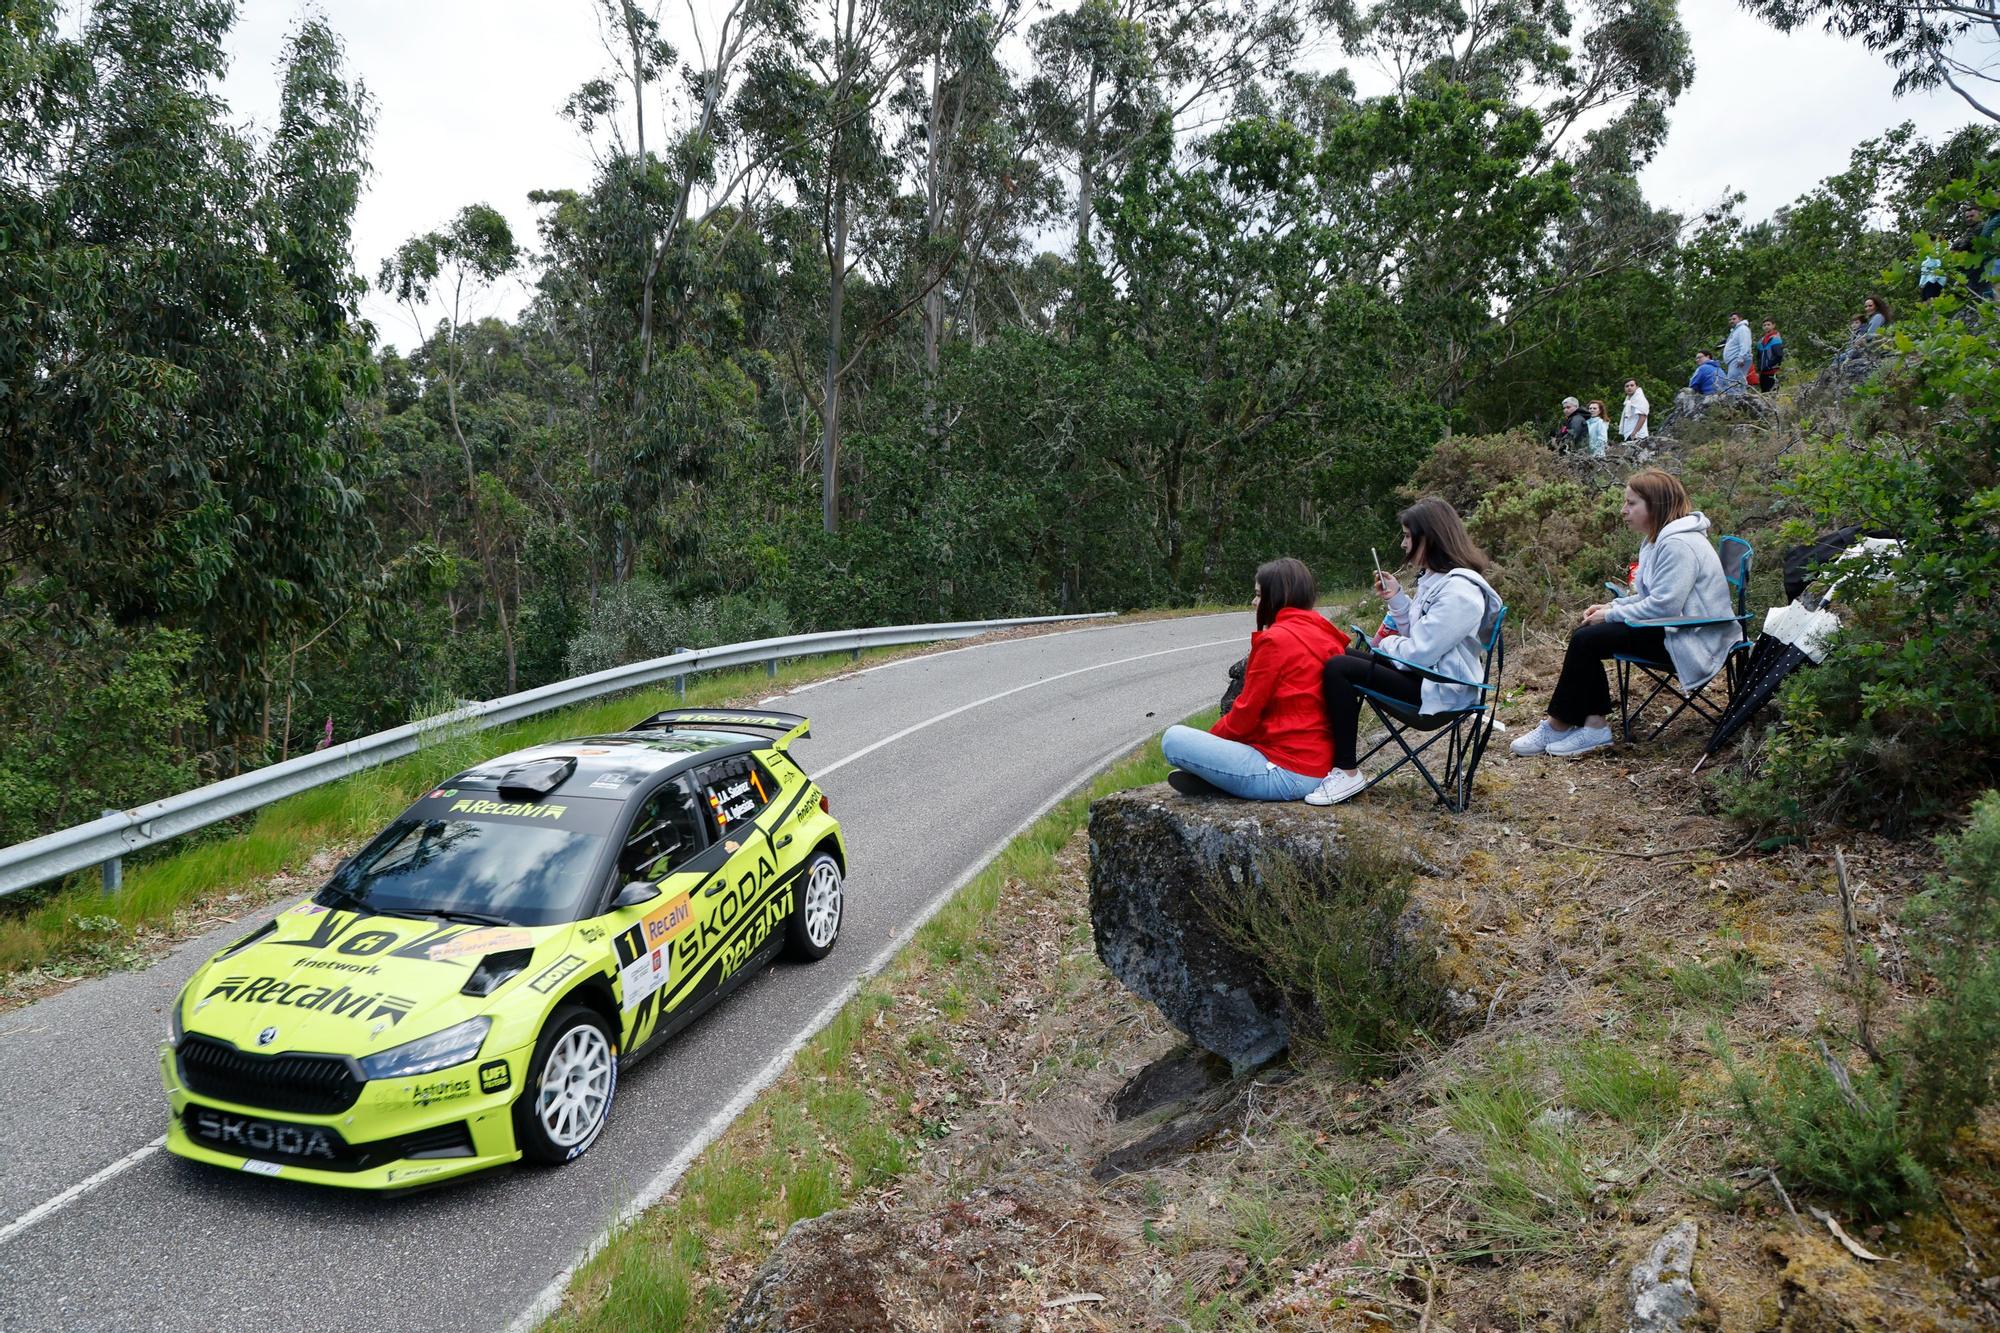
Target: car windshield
518, 874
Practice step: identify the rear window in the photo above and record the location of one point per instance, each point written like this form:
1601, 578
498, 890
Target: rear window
526, 874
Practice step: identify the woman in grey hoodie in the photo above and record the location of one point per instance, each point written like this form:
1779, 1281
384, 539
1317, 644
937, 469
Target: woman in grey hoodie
1443, 629
1680, 578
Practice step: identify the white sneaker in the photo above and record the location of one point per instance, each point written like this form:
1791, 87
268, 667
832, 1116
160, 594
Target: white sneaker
1336, 787
1536, 741
1581, 740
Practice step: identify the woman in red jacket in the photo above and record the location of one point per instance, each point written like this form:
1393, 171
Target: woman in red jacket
1274, 736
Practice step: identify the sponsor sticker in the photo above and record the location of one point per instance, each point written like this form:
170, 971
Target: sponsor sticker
494, 1076
257, 1168
413, 1172
440, 1090
554, 974
341, 1000
488, 939
644, 975
591, 934
513, 809
612, 780
669, 921
307, 909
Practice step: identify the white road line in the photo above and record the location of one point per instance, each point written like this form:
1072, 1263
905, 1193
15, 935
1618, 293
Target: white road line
549, 1298
822, 770
78, 1190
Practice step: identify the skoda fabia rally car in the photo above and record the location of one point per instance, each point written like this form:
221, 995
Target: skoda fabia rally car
465, 989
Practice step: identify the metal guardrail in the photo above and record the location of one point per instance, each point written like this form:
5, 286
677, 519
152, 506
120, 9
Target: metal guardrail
122, 832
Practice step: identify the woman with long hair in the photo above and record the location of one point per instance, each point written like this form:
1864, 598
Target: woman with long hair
1271, 745
1680, 578
1443, 629
1599, 427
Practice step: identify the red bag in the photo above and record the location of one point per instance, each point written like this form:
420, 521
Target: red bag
1753, 380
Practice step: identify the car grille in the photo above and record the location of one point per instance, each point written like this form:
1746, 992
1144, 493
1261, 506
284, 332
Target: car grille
304, 1084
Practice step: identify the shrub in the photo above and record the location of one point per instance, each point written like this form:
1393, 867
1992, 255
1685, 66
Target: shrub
1327, 937
642, 619
1902, 716
1877, 1136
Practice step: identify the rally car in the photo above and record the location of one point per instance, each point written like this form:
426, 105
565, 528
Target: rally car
464, 990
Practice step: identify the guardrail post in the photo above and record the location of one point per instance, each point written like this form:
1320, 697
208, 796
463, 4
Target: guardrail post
855, 655
771, 667
681, 687
114, 871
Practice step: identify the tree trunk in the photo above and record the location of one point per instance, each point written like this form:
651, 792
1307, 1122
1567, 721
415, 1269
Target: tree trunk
933, 216
829, 459
1086, 167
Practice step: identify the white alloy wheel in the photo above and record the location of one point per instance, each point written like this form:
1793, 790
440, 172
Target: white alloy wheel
575, 1091
823, 903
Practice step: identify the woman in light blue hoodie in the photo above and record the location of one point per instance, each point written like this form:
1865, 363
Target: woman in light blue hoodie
1680, 578
1442, 629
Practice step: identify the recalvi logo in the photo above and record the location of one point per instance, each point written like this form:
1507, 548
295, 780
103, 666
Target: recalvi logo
521, 810
341, 1000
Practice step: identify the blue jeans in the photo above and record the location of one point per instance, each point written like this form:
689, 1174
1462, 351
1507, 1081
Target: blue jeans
1233, 766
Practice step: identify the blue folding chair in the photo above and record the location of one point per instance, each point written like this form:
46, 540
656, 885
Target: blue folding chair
1464, 731
1736, 555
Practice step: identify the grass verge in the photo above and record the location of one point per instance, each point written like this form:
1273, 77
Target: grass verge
850, 1113
55, 934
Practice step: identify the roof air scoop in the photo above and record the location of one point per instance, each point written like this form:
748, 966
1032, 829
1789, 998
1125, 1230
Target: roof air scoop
538, 778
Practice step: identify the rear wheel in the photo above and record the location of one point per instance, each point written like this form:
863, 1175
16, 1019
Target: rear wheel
815, 920
571, 1082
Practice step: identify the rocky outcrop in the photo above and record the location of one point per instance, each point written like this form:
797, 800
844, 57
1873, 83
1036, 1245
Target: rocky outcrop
1660, 1289
1721, 409
1166, 873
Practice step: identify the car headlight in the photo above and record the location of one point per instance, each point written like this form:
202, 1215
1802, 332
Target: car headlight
453, 1046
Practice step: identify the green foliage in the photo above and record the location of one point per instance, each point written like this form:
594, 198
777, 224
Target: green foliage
643, 619
1328, 936
68, 703
1902, 715
1877, 1137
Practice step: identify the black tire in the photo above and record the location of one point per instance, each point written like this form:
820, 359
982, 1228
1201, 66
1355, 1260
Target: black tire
809, 934
564, 1134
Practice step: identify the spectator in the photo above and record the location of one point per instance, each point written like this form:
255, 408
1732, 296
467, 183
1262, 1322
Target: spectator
1571, 429
1878, 316
1680, 578
1443, 629
1706, 379
1632, 418
1598, 426
1736, 355
1770, 355
1272, 744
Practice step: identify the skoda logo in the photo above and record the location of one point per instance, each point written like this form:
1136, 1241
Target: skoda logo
267, 1036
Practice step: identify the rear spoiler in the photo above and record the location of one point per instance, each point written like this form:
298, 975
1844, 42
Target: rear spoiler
792, 725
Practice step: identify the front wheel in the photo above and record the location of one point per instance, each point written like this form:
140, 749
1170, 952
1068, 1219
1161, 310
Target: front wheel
815, 920
570, 1085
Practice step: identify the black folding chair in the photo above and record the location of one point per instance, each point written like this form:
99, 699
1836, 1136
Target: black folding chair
1463, 731
1644, 671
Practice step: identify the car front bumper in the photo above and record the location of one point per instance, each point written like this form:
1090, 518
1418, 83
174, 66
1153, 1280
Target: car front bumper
399, 1133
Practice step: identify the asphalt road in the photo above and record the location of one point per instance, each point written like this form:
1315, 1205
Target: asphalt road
931, 763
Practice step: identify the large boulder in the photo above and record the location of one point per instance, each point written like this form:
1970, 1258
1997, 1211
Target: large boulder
1731, 407
1167, 871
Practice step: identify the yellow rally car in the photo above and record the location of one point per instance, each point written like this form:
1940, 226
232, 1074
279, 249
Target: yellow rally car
465, 989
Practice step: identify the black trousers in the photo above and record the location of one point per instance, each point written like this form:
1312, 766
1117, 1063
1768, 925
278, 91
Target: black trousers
1583, 690
1343, 706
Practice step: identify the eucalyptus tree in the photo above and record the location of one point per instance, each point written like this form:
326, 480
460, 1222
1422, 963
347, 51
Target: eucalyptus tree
455, 267
181, 339
1929, 43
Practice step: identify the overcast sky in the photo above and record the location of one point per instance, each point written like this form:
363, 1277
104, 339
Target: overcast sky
468, 91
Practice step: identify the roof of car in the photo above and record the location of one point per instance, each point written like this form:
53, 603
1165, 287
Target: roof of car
612, 766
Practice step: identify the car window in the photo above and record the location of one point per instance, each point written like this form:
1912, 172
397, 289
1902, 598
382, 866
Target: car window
517, 873
734, 790
665, 833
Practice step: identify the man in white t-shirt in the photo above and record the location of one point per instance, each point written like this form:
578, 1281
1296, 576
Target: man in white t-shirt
1632, 420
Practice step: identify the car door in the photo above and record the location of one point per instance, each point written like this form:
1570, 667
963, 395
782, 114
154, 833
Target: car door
736, 908
667, 841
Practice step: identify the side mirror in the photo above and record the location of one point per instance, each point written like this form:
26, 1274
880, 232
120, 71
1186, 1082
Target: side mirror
638, 891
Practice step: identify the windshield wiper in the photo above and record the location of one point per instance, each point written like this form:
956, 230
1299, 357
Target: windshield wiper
476, 918
355, 903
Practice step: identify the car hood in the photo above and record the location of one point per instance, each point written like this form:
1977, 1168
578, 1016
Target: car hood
348, 983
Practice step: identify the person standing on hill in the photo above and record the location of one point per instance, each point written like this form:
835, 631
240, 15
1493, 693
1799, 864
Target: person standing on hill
1571, 429
1272, 744
1736, 356
1770, 355
1632, 417
1598, 426
1706, 379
